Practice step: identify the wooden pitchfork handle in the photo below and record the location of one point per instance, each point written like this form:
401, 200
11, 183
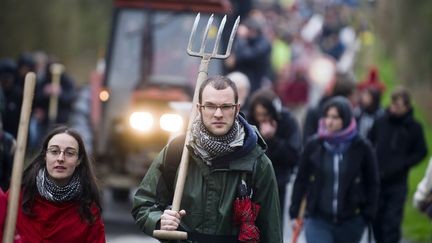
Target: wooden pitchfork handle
18, 163
299, 220
56, 70
202, 76
184, 163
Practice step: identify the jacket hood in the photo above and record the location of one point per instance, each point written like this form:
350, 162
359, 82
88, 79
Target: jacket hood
343, 107
253, 146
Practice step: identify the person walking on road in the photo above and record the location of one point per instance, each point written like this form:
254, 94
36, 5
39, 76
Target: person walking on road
399, 143
369, 107
226, 153
281, 132
59, 199
251, 54
338, 177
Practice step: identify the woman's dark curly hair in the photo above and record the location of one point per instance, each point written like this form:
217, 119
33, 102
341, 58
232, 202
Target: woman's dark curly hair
90, 192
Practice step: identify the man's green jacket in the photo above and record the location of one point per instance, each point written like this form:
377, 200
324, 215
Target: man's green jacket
209, 194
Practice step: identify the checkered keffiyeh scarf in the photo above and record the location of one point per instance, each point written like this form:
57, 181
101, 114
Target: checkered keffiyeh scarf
208, 146
51, 192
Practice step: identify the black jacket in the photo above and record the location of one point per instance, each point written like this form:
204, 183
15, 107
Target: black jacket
7, 152
285, 147
358, 186
399, 144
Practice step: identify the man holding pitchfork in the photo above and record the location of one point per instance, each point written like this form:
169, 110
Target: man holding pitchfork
230, 191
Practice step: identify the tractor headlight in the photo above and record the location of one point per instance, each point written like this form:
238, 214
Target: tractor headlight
171, 122
104, 95
141, 121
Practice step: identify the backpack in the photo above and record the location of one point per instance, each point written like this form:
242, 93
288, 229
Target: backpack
172, 161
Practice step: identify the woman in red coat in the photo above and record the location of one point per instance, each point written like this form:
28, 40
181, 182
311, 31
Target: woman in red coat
60, 199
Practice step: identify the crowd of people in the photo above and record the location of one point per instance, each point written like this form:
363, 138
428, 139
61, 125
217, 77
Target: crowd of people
255, 131
349, 155
347, 181
12, 76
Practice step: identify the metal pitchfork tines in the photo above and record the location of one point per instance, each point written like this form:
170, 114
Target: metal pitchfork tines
202, 75
214, 54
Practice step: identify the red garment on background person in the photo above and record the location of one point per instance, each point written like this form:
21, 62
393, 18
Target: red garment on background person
372, 81
293, 93
58, 222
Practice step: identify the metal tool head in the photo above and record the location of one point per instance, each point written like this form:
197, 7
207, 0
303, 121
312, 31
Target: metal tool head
214, 54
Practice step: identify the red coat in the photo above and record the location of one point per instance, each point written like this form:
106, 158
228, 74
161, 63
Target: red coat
58, 222
3, 211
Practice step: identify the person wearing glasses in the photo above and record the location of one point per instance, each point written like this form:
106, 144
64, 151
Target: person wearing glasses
60, 199
226, 153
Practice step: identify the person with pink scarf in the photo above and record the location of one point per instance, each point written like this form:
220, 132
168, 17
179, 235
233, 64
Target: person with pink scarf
338, 177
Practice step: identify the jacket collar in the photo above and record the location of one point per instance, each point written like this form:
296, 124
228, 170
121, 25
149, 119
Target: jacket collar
244, 158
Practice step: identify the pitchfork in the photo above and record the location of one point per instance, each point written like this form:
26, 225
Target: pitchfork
202, 75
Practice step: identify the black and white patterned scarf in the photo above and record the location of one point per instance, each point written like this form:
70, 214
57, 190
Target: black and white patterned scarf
51, 192
208, 146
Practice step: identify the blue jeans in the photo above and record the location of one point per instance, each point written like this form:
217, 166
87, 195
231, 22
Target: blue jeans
321, 230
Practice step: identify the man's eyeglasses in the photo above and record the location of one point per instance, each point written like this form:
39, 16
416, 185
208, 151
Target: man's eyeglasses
68, 153
211, 108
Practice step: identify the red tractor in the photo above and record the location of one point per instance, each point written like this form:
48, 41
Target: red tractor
148, 84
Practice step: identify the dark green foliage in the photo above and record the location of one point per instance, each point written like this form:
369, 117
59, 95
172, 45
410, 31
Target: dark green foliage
404, 27
73, 30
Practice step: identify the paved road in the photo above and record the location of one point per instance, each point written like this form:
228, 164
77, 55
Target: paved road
119, 224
